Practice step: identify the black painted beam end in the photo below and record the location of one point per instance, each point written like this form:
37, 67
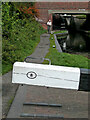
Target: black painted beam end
84, 80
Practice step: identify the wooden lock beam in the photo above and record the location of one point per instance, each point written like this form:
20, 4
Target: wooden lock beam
46, 75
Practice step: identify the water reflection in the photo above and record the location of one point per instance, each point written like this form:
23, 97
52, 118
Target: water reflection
74, 42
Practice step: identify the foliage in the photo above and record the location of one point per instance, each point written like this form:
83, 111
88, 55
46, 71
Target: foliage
66, 59
81, 16
12, 14
27, 8
9, 16
59, 31
19, 35
30, 11
86, 25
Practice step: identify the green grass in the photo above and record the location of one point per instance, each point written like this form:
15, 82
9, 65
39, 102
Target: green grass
6, 68
59, 31
65, 59
10, 101
21, 43
81, 17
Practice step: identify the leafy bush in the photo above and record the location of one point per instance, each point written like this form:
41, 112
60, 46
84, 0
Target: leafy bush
19, 35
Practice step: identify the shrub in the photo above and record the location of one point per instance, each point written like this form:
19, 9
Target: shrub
20, 35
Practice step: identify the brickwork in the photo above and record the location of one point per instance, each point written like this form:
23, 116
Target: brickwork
44, 8
62, 5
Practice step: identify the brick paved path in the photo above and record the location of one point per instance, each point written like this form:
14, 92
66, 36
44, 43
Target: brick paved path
74, 103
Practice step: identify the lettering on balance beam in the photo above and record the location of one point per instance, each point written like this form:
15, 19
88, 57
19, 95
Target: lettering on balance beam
46, 75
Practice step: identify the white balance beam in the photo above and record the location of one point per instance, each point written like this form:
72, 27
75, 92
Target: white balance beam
46, 75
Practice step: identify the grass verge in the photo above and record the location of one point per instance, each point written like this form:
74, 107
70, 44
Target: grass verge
66, 59
63, 31
81, 16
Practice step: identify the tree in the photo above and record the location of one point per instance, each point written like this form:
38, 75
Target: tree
27, 8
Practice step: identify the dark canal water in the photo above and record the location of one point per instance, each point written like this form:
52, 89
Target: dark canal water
76, 43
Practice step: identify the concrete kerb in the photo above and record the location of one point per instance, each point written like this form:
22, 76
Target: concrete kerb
84, 73
58, 47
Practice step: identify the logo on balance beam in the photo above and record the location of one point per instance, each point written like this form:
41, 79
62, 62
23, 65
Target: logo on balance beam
31, 75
